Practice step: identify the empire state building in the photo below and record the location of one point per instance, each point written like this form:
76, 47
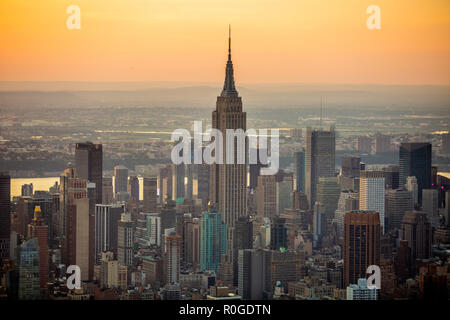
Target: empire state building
228, 185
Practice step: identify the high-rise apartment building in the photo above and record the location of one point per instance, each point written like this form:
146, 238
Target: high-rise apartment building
172, 258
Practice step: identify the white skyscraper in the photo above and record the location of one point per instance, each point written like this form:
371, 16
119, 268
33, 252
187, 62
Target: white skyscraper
372, 193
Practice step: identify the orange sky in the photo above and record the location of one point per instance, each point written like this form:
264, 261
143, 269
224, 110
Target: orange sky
324, 41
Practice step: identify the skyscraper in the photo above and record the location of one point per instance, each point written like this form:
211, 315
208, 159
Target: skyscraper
348, 201
266, 197
125, 240
391, 174
213, 240
29, 270
411, 185
382, 143
172, 258
38, 229
445, 145
284, 194
133, 188
228, 187
430, 205
150, 194
328, 192
361, 244
278, 234
107, 217
243, 239
120, 179
165, 183
178, 174
320, 159
89, 165
299, 171
416, 229
5, 221
350, 166
415, 161
371, 193
107, 191
80, 242
255, 168
398, 202
192, 241
364, 144
251, 274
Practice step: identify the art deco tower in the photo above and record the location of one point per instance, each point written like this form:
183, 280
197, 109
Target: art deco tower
228, 189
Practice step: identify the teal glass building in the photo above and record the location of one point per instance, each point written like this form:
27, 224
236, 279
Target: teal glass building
213, 240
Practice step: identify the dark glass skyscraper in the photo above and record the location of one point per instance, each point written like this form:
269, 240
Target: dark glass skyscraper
299, 171
5, 222
89, 165
320, 159
415, 160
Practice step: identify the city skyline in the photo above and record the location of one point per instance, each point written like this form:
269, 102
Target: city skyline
356, 205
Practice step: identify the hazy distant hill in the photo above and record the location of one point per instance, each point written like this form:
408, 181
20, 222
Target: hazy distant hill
86, 95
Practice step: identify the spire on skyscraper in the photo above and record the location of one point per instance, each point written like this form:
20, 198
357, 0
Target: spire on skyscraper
229, 90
